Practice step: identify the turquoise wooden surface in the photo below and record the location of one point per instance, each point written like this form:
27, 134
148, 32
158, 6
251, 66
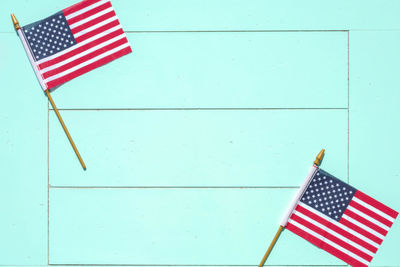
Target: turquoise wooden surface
195, 147
184, 227
174, 177
183, 70
156, 15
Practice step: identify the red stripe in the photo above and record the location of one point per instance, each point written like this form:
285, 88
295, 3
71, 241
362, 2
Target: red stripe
337, 229
89, 13
93, 22
365, 221
97, 31
85, 3
370, 213
319, 243
85, 58
376, 204
360, 231
331, 237
81, 49
90, 67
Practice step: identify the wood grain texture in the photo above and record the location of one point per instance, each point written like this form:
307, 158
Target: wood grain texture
196, 148
156, 15
23, 160
235, 95
218, 70
173, 226
374, 135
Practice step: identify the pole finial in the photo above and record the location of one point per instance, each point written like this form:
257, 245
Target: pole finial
319, 157
15, 22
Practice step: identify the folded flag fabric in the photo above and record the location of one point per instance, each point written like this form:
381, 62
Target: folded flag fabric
74, 41
341, 219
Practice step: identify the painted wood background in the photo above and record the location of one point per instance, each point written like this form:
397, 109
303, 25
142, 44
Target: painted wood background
197, 141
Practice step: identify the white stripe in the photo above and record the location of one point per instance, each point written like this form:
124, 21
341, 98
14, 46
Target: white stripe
298, 195
77, 67
89, 40
368, 206
88, 51
334, 233
83, 10
98, 25
369, 218
98, 14
33, 63
363, 226
323, 239
344, 227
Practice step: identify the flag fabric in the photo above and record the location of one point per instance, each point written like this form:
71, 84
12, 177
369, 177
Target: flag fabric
74, 41
340, 219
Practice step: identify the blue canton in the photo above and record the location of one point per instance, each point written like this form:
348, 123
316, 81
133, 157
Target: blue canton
49, 36
328, 195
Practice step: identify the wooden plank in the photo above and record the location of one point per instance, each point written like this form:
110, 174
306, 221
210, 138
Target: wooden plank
218, 70
150, 15
374, 130
23, 132
196, 148
173, 226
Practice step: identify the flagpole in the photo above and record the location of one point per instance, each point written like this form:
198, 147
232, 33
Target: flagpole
300, 192
65, 129
18, 29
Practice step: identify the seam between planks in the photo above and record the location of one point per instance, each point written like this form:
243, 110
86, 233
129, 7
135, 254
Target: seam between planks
348, 107
172, 187
183, 109
223, 31
48, 183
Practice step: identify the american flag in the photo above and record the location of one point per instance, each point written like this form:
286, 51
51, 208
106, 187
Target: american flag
340, 219
74, 41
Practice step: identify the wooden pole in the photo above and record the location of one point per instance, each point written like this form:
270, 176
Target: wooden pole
65, 129
271, 246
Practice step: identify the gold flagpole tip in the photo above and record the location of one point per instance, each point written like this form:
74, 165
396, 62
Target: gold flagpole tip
15, 22
319, 157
